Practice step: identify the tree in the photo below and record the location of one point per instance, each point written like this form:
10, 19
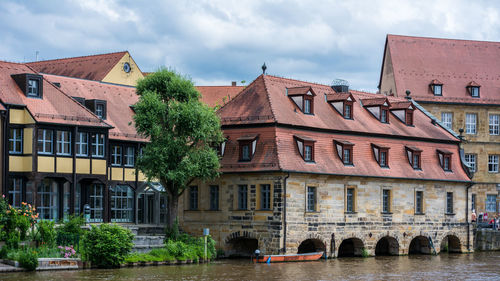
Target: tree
182, 132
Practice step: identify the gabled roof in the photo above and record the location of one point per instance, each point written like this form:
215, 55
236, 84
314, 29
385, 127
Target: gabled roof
119, 100
417, 62
299, 91
55, 107
218, 95
94, 67
374, 101
265, 101
339, 97
401, 105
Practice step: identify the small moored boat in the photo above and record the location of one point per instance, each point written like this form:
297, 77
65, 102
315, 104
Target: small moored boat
290, 258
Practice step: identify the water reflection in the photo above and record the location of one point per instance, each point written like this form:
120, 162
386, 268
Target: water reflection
477, 266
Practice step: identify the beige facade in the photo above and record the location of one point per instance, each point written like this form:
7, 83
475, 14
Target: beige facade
288, 226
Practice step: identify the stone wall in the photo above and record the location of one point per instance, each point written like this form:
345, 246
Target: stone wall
487, 240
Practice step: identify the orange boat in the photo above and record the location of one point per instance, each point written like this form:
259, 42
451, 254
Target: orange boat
290, 258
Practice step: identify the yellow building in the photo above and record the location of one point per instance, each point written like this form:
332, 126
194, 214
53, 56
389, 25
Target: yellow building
456, 81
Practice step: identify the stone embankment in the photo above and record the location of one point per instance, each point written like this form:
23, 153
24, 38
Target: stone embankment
487, 240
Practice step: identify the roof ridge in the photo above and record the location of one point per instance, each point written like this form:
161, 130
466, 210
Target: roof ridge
78, 57
296, 80
438, 38
88, 80
268, 98
237, 95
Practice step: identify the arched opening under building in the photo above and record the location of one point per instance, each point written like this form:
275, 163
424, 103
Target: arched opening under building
451, 244
387, 246
420, 245
352, 247
311, 246
241, 247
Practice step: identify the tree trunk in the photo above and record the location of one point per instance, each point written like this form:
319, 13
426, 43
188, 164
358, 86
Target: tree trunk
173, 206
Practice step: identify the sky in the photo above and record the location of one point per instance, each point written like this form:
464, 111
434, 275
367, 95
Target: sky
215, 42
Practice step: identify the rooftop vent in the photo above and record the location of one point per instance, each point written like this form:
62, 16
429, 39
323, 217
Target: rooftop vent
340, 86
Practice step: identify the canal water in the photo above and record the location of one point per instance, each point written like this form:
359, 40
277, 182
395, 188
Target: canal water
477, 266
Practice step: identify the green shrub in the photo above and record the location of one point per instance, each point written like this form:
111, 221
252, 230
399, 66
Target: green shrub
162, 253
47, 233
107, 245
28, 260
172, 233
70, 231
3, 252
12, 240
365, 253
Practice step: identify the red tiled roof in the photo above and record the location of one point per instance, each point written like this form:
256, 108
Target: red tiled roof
418, 61
218, 95
400, 105
298, 90
373, 101
118, 101
94, 67
339, 97
54, 107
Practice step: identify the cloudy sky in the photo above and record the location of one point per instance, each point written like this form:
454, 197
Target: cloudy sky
216, 42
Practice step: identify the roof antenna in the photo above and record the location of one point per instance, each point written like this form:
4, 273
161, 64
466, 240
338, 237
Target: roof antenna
264, 67
36, 55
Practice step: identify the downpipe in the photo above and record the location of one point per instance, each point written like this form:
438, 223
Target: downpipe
467, 214
284, 211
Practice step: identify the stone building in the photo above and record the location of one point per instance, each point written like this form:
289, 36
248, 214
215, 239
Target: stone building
456, 81
308, 167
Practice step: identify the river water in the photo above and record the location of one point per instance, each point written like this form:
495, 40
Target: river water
477, 266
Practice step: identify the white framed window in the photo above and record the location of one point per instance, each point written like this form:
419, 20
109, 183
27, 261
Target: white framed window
470, 123
14, 192
63, 143
116, 155
44, 141
82, 144
98, 145
307, 106
447, 119
438, 90
99, 110
16, 141
96, 202
494, 124
122, 203
470, 160
48, 196
491, 203
308, 153
33, 88
493, 163
129, 156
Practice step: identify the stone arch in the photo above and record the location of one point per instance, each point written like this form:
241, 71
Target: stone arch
351, 247
241, 244
420, 244
311, 246
451, 243
387, 246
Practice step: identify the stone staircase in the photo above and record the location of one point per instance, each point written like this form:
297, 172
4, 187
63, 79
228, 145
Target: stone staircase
147, 237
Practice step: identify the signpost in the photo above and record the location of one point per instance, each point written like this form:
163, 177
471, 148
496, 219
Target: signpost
206, 232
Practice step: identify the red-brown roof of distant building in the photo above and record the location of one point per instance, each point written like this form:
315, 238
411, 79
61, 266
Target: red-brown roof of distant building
218, 95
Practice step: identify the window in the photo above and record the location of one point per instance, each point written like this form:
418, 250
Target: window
381, 155
303, 97
44, 141
305, 146
129, 156
63, 143
14, 193
16, 141
494, 124
48, 198
419, 202
348, 110
265, 197
33, 88
449, 202
98, 145
214, 197
383, 116
473, 202
307, 106
342, 103
311, 199
473, 89
447, 119
349, 200
445, 159
242, 197
99, 110
116, 155
96, 202
414, 154
470, 123
436, 87
247, 145
82, 144
344, 151
386, 201
470, 160
193, 197
493, 163
122, 203
491, 203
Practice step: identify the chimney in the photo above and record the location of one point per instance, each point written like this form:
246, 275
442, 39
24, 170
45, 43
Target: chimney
340, 86
233, 83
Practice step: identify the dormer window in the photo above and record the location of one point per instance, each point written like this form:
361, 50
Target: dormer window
305, 146
436, 87
473, 89
247, 146
30, 84
99, 110
98, 107
342, 103
221, 148
381, 155
403, 111
414, 157
445, 159
303, 97
344, 151
378, 107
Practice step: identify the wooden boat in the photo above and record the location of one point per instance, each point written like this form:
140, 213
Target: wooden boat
290, 257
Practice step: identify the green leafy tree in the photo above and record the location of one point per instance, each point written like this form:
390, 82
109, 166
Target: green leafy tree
182, 132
